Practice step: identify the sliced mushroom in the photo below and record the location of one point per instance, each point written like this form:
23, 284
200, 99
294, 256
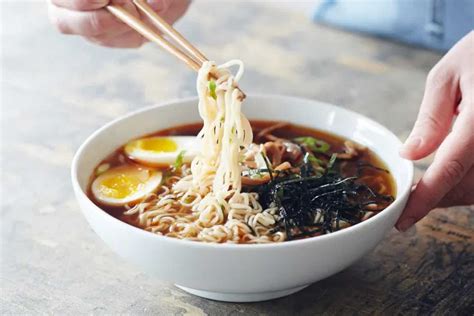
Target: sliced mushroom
367, 216
274, 152
351, 150
283, 166
372, 207
293, 152
265, 134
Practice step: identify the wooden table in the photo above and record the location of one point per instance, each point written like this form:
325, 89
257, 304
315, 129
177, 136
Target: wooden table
56, 90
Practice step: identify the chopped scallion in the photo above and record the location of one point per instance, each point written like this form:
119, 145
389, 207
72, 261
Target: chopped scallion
315, 145
179, 160
212, 89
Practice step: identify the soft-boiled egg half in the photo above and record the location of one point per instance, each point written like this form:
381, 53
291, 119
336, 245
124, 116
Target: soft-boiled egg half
162, 150
125, 185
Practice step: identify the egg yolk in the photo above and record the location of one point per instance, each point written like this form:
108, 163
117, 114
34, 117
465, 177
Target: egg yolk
120, 186
155, 144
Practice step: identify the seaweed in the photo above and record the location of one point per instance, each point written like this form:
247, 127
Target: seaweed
314, 202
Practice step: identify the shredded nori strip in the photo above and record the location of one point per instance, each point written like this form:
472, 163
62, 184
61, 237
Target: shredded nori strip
311, 203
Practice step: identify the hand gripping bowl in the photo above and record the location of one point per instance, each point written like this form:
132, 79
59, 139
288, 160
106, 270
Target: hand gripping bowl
243, 273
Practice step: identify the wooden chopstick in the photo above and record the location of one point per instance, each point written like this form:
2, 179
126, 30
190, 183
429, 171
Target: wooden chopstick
169, 30
153, 36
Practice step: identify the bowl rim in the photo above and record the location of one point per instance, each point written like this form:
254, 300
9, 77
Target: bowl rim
81, 194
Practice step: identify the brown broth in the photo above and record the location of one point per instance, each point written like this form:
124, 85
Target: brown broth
375, 179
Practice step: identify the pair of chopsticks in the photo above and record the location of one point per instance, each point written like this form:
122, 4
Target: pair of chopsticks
187, 53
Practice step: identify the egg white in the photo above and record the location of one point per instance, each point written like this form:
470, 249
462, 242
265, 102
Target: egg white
186, 144
150, 180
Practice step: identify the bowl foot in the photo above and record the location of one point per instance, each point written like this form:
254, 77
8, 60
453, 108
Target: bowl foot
242, 297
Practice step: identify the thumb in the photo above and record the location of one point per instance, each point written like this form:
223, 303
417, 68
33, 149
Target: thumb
436, 114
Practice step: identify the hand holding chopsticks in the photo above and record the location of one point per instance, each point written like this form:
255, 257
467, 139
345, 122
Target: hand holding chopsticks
91, 20
187, 52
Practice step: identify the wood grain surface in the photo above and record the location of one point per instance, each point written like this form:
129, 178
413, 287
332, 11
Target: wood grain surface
56, 90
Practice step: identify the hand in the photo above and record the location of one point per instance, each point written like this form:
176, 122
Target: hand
449, 92
91, 20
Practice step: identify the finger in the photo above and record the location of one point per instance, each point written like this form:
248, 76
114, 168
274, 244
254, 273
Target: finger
130, 39
461, 194
175, 10
89, 23
169, 10
452, 161
436, 112
81, 5
160, 5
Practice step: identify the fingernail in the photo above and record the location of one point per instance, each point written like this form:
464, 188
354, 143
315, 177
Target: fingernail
405, 224
411, 144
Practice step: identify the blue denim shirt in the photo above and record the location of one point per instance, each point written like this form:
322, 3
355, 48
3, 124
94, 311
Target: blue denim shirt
435, 24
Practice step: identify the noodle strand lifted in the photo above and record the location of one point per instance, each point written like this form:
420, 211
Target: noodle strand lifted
206, 203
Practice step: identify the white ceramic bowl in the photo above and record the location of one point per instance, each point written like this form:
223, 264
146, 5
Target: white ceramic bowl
243, 273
